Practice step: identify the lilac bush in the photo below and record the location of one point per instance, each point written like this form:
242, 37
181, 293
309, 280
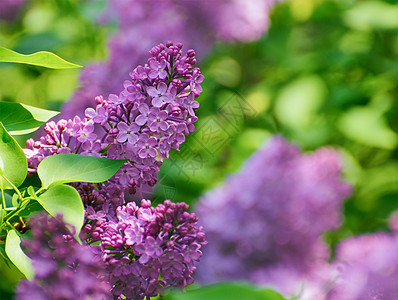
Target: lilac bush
150, 116
265, 223
198, 24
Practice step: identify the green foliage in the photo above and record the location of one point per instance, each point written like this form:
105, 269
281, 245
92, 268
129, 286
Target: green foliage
64, 199
13, 162
20, 118
226, 291
65, 168
42, 58
17, 256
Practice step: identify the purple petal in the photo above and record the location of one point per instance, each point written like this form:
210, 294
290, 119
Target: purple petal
142, 153
141, 120
152, 117
154, 64
163, 115
121, 137
90, 113
157, 102
152, 142
153, 126
134, 127
132, 138
152, 91
168, 98
123, 127
162, 87
153, 74
163, 125
143, 108
152, 152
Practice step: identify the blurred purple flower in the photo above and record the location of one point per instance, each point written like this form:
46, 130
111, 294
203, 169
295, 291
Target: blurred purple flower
368, 268
276, 208
64, 269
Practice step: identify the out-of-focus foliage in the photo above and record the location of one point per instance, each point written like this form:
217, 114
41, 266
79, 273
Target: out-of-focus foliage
69, 28
326, 73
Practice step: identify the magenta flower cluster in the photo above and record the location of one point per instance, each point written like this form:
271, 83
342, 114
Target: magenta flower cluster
152, 115
64, 269
147, 249
265, 223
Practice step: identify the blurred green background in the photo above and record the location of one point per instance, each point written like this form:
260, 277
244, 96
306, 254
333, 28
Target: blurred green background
326, 73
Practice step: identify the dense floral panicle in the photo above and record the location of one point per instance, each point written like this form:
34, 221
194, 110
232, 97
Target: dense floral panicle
276, 209
150, 116
64, 269
198, 24
368, 268
9, 9
146, 248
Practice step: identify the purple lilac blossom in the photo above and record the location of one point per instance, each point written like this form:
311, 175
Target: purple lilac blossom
141, 124
265, 223
147, 249
64, 269
198, 24
368, 268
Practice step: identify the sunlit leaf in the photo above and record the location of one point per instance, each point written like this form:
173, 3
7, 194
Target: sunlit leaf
64, 168
13, 162
372, 15
64, 199
17, 256
19, 118
367, 126
299, 101
41, 58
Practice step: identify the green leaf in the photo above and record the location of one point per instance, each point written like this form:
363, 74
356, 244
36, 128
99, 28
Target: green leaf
14, 200
42, 58
226, 291
19, 118
17, 256
32, 208
64, 199
271, 294
64, 168
13, 162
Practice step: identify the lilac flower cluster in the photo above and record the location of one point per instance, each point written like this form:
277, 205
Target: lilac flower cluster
152, 115
198, 24
147, 249
368, 268
265, 223
64, 269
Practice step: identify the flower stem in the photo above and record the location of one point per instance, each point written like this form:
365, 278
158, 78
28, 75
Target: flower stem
13, 186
